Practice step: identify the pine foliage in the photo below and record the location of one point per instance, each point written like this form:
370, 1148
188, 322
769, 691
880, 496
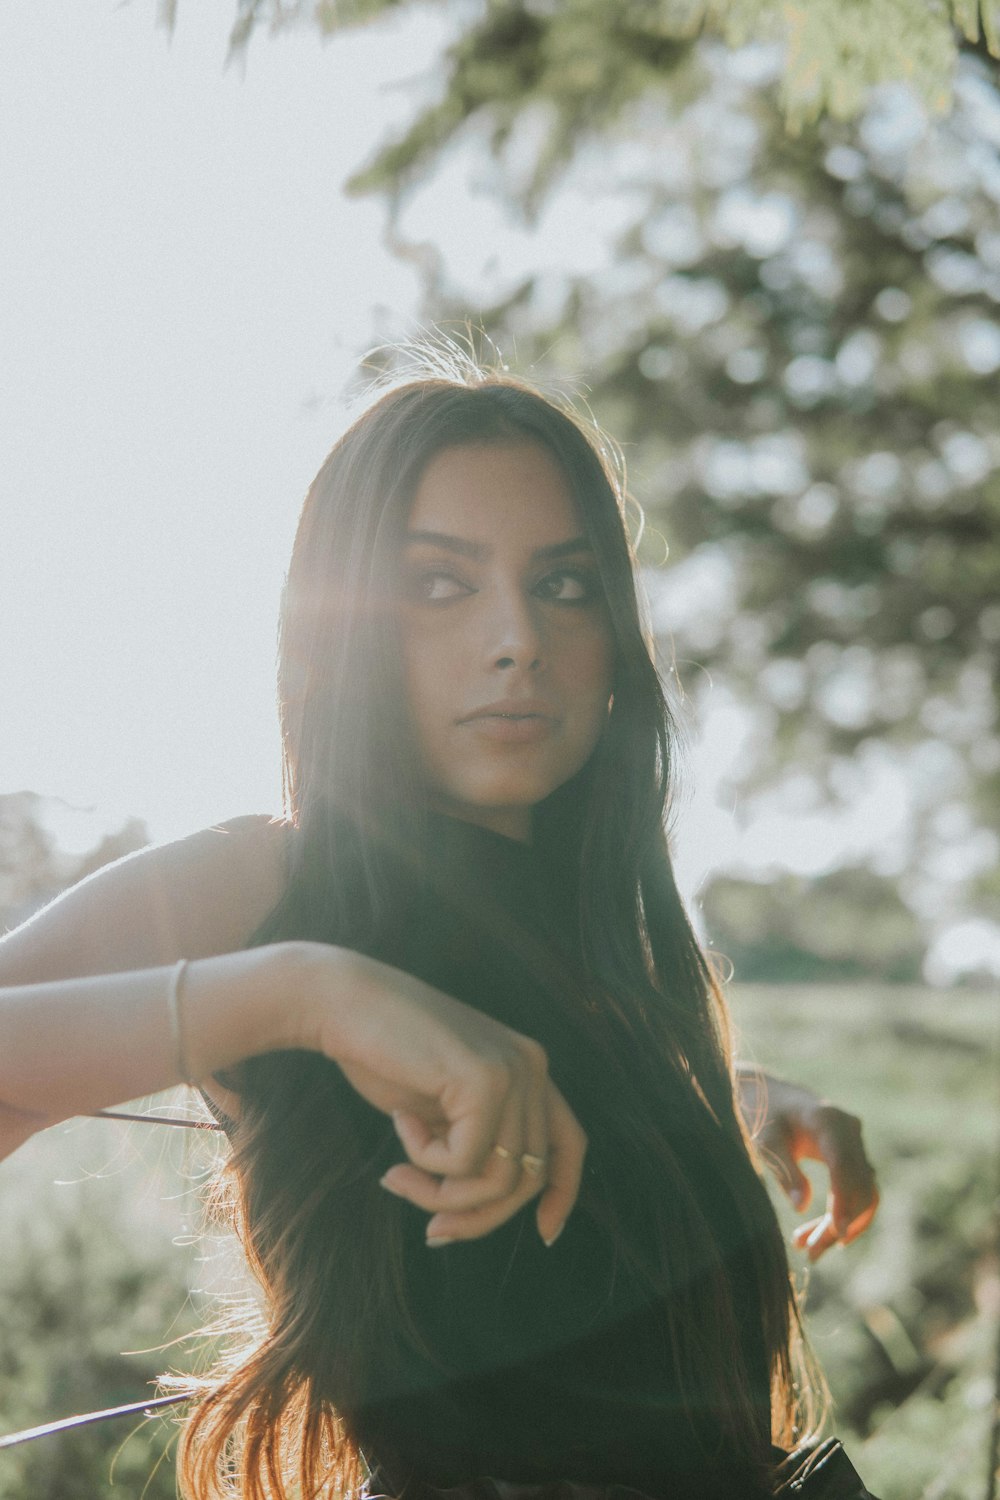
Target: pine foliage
835, 50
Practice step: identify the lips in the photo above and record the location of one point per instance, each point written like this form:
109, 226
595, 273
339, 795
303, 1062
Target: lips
512, 721
512, 710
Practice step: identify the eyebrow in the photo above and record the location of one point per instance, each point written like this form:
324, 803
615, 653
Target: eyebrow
480, 553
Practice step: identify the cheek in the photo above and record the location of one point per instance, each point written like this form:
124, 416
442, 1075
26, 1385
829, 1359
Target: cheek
591, 663
419, 683
589, 673
431, 670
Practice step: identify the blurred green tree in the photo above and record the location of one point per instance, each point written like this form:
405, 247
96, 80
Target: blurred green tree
843, 926
796, 340
34, 868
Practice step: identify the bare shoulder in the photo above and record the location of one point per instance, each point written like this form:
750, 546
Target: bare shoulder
192, 898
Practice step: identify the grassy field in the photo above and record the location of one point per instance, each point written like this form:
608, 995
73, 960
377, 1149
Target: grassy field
102, 1267
905, 1320
100, 1254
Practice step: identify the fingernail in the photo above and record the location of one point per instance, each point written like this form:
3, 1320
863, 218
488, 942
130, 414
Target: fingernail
434, 1240
548, 1243
797, 1196
389, 1186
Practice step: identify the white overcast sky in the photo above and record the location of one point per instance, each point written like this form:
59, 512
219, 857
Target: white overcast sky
184, 290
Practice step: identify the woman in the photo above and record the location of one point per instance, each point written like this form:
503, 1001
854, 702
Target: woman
464, 942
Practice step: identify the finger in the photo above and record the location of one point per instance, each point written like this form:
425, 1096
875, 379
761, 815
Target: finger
860, 1224
801, 1232
816, 1237
453, 1224
567, 1149
499, 1177
432, 1194
470, 1124
852, 1197
528, 1164
791, 1178
535, 1153
853, 1188
501, 1171
446, 1228
414, 1133
440, 1194
776, 1147
432, 1152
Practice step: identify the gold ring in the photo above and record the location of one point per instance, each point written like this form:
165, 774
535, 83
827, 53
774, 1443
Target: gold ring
503, 1153
535, 1164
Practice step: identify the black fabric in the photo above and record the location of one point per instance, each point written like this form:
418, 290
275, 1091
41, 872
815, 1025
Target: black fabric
822, 1472
543, 1364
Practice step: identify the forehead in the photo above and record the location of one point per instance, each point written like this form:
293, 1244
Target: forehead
485, 491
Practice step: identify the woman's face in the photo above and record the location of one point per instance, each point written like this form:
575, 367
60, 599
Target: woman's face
506, 643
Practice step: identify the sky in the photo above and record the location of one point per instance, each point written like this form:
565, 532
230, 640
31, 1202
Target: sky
184, 292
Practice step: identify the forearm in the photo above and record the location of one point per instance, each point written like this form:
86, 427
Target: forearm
455, 1081
77, 1045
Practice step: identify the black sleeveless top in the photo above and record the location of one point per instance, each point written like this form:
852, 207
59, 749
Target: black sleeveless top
541, 1363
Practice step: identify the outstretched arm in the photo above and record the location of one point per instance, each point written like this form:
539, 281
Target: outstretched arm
73, 1046
85, 1022
457, 1084
790, 1124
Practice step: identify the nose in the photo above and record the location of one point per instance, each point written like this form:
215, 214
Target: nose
515, 637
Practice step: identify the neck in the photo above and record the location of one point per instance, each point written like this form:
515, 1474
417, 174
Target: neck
512, 822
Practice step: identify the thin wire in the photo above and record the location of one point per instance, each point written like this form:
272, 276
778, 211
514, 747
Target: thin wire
86, 1419
121, 1114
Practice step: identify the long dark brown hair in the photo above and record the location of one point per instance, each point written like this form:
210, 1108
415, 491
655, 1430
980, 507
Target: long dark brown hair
325, 1246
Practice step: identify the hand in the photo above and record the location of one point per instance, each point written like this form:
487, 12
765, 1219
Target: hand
458, 1085
790, 1124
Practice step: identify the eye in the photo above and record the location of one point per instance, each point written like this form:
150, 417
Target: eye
435, 587
569, 586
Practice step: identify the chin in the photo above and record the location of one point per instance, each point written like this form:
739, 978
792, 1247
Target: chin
489, 784
507, 793
506, 799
